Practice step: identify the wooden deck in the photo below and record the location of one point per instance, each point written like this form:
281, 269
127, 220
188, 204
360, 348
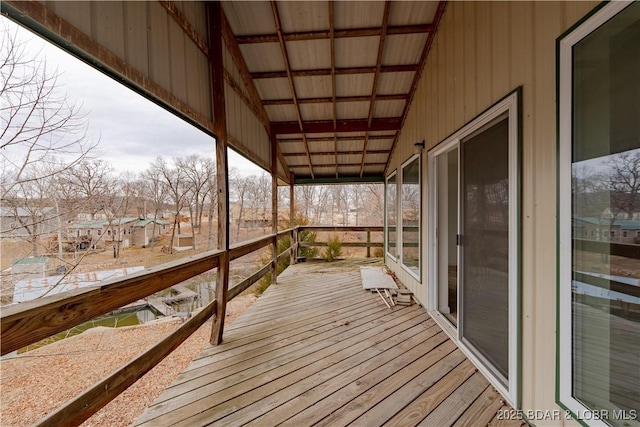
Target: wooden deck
317, 349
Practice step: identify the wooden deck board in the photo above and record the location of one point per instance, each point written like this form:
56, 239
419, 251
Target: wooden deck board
317, 349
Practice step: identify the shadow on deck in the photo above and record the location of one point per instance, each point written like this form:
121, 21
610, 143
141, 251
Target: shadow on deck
317, 349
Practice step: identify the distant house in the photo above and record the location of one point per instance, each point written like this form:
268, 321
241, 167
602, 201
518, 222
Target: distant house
18, 221
128, 231
254, 217
143, 231
604, 229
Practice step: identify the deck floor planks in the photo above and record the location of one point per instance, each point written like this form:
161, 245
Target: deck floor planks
355, 357
256, 361
313, 405
342, 313
431, 397
433, 363
482, 410
283, 336
456, 404
245, 380
318, 349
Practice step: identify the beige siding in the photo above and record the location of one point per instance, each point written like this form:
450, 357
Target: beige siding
247, 133
141, 42
483, 51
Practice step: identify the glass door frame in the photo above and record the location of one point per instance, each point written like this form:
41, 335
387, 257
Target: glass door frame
510, 104
564, 360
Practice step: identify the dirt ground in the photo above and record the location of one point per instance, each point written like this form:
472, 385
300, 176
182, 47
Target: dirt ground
35, 383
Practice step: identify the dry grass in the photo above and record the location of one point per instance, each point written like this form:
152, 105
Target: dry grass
35, 383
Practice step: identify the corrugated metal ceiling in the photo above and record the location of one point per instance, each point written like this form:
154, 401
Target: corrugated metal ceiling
340, 71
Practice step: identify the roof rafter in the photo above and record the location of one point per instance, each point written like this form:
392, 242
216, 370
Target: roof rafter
338, 71
333, 80
285, 57
376, 78
331, 153
364, 98
425, 52
255, 102
326, 126
339, 34
330, 165
339, 138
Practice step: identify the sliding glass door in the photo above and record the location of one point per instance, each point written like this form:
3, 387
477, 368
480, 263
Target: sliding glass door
484, 249
474, 276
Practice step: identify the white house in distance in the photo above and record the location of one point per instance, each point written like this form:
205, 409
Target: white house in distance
128, 231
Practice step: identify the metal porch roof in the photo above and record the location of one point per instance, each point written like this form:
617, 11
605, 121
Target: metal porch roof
334, 79
330, 81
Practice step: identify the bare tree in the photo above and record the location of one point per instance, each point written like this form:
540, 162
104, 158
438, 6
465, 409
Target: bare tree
623, 183
155, 190
196, 170
28, 203
38, 123
177, 189
93, 181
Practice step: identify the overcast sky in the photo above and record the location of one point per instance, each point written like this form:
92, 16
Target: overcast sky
131, 129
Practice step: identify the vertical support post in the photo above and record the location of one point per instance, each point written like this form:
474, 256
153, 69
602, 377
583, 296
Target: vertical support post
292, 212
274, 205
216, 66
368, 243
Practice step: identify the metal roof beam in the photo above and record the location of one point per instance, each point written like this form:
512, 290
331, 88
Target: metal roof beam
330, 165
254, 102
338, 71
312, 139
333, 80
365, 98
287, 64
376, 78
339, 34
416, 78
326, 126
340, 153
344, 180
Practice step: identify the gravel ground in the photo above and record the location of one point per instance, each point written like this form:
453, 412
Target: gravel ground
35, 383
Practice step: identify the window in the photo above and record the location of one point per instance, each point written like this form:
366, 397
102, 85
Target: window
625, 234
411, 200
599, 326
392, 215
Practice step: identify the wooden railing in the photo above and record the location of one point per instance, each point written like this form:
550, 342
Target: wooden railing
27, 323
340, 229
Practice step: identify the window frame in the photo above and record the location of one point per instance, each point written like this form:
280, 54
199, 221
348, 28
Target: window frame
564, 337
418, 276
395, 257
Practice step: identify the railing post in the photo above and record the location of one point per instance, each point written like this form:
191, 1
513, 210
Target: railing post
368, 243
293, 255
214, 15
274, 206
